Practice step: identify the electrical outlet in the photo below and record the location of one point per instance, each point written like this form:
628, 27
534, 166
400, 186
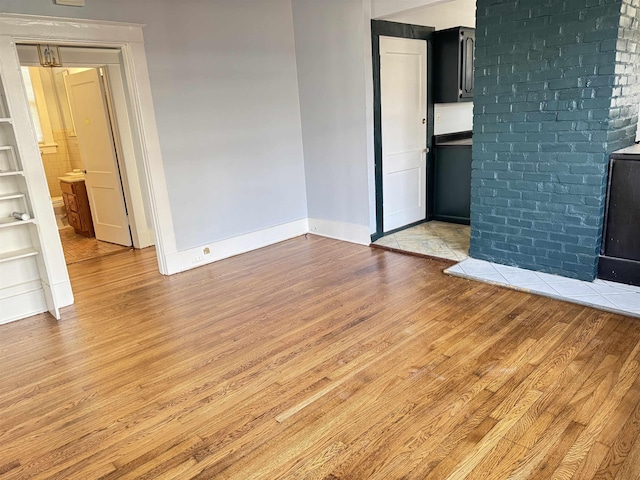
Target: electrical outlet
73, 3
197, 258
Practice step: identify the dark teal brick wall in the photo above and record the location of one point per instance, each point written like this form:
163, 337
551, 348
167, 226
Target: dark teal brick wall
553, 98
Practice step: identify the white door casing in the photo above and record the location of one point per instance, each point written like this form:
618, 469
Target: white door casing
128, 38
88, 105
403, 82
127, 146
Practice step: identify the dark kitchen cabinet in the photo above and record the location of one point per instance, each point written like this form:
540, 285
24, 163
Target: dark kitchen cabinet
453, 64
452, 172
620, 255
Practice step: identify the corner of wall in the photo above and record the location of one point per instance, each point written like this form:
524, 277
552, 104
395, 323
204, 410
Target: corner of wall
347, 232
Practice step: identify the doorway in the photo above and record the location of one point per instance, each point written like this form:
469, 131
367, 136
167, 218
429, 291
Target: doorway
74, 115
403, 102
405, 143
142, 169
72, 110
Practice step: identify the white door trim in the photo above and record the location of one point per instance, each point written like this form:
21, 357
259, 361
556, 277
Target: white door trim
129, 39
129, 161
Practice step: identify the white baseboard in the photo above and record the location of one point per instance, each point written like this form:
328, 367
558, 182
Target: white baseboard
63, 294
21, 301
145, 238
196, 257
347, 232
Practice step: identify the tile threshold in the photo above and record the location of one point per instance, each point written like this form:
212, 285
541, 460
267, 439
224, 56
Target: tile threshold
602, 295
448, 261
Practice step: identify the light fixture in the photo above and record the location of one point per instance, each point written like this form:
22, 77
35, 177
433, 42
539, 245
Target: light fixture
49, 56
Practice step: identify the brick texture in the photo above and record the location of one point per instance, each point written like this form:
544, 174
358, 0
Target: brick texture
556, 92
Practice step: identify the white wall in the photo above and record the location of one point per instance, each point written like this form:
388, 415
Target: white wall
241, 89
333, 51
383, 8
442, 15
223, 75
452, 117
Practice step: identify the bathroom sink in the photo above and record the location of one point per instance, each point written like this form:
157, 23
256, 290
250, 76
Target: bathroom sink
72, 178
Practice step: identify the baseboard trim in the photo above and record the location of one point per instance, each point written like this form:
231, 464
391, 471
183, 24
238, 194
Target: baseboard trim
63, 294
196, 257
347, 232
23, 301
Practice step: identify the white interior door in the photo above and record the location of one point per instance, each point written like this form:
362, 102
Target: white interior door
88, 105
403, 81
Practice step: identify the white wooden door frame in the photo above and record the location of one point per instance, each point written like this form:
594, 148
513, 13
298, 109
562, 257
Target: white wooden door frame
129, 161
77, 32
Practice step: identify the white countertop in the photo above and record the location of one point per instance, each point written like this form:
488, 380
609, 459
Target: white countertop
465, 142
632, 150
72, 178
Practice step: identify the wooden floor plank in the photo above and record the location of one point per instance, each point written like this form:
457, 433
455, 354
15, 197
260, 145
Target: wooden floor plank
318, 359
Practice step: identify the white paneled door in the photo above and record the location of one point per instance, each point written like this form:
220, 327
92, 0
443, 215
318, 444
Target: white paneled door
95, 140
403, 81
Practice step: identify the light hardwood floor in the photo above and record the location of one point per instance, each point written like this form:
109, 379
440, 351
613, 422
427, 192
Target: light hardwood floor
319, 359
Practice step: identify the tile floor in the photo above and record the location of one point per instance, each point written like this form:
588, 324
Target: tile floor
436, 239
78, 248
600, 294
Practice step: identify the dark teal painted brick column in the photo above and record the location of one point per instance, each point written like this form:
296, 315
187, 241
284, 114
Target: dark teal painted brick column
551, 103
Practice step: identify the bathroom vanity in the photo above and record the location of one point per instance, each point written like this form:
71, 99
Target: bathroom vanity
76, 201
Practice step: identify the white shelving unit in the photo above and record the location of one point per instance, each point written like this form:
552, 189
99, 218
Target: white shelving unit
24, 283
18, 254
12, 196
9, 222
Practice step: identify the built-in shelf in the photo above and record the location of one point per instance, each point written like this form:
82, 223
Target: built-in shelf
11, 196
8, 222
27, 287
18, 254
